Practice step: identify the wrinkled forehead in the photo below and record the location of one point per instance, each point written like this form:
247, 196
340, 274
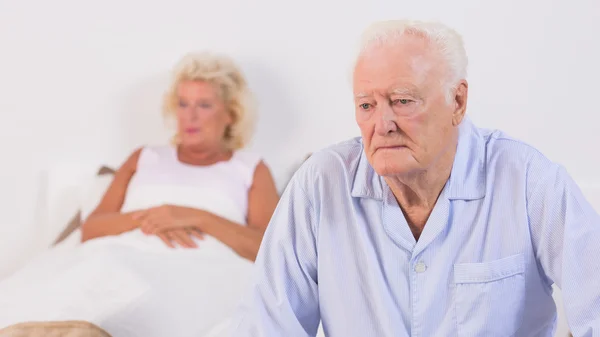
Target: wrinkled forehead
409, 61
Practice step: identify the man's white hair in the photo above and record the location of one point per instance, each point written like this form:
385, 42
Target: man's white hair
443, 38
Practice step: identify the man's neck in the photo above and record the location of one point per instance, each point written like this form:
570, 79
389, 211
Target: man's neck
417, 194
422, 189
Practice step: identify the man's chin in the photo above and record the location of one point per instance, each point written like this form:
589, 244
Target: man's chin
393, 166
393, 170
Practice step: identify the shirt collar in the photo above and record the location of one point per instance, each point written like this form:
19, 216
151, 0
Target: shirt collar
367, 183
467, 178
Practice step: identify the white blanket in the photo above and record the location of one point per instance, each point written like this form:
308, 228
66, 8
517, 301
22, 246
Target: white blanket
130, 285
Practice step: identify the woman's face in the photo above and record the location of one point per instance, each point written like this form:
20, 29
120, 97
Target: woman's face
202, 117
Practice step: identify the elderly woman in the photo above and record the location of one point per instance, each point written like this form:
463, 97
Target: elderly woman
202, 184
168, 250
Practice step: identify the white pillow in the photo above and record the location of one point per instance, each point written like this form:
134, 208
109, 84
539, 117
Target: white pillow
63, 198
61, 190
92, 194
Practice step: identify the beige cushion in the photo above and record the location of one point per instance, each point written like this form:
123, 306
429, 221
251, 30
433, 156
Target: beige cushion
54, 329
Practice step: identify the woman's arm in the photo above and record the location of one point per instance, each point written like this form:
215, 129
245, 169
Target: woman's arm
107, 219
244, 240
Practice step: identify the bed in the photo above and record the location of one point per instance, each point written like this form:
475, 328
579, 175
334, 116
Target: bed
136, 272
71, 192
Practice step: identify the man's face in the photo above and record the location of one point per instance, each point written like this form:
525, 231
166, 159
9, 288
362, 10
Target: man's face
405, 119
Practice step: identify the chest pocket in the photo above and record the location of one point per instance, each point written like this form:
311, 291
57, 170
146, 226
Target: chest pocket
489, 296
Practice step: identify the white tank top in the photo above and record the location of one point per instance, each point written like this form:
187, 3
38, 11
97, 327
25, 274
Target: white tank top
221, 188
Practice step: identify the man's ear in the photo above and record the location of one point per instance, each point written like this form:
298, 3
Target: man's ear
460, 102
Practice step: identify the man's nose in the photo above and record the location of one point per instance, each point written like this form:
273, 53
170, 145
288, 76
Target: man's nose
387, 121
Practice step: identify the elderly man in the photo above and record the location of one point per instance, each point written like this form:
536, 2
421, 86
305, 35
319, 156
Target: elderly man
425, 225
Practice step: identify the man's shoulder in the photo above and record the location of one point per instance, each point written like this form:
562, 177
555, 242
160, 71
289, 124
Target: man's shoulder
337, 161
504, 151
343, 153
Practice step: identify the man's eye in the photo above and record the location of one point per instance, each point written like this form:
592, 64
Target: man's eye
365, 106
402, 101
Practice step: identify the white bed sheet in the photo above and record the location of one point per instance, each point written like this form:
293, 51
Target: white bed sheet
130, 285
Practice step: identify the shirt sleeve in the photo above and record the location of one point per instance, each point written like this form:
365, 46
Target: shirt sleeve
566, 236
283, 297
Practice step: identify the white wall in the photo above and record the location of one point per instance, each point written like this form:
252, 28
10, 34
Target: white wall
83, 79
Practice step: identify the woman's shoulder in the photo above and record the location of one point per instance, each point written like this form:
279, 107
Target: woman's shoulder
247, 157
158, 150
151, 154
247, 161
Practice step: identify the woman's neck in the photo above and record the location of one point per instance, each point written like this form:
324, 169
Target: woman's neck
199, 156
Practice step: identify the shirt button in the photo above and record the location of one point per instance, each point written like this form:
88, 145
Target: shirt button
420, 267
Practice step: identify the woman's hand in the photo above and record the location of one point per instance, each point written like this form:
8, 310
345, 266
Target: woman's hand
164, 218
181, 236
172, 224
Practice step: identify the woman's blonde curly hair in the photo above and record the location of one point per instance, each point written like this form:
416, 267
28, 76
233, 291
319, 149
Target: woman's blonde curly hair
225, 75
